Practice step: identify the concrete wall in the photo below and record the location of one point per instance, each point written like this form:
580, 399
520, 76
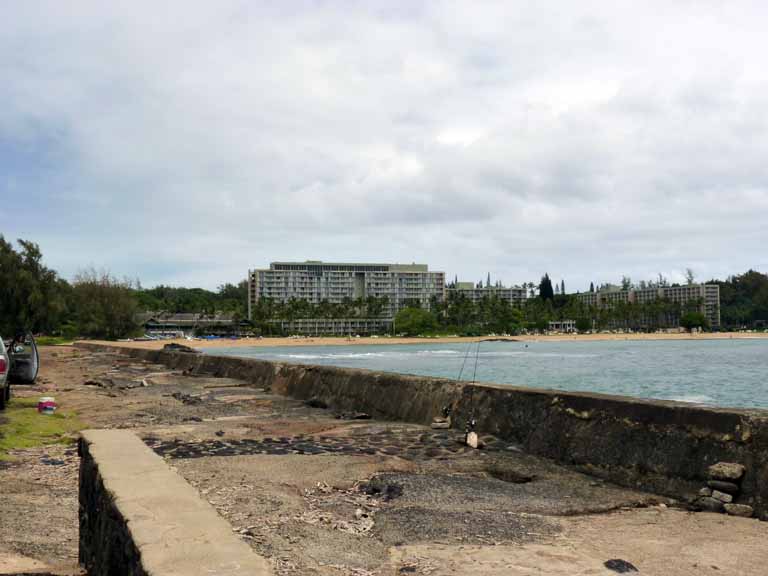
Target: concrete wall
106, 545
139, 518
665, 447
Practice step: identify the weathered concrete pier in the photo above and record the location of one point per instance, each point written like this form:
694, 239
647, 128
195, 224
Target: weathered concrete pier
659, 446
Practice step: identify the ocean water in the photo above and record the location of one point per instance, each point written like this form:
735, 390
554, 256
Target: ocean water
713, 372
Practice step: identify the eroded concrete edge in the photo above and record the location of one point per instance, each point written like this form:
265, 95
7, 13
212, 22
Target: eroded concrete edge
140, 518
661, 446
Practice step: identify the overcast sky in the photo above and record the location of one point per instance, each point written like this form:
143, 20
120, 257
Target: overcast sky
186, 142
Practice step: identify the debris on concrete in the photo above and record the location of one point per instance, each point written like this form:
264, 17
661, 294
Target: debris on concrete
442, 422
315, 402
187, 398
352, 416
620, 566
174, 347
381, 489
508, 472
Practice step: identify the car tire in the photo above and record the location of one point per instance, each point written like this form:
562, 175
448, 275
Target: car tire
4, 396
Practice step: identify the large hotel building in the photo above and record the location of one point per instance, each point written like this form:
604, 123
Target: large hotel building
706, 295
337, 282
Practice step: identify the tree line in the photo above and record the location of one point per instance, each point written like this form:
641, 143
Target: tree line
230, 299
744, 300
95, 304
98, 305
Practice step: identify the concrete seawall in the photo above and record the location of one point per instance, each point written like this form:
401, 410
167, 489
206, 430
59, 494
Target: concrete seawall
139, 518
664, 447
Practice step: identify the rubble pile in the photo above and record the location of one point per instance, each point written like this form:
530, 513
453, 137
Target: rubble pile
723, 489
326, 506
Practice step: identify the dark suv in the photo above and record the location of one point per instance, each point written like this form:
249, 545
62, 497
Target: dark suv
19, 364
5, 383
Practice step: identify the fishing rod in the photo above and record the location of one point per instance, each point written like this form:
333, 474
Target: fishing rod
470, 436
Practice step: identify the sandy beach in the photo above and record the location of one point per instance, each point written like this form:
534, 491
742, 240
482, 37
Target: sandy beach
343, 341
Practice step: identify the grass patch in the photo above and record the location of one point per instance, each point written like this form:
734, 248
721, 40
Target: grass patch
22, 427
52, 340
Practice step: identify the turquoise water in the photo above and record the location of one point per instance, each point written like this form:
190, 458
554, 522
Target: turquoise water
714, 372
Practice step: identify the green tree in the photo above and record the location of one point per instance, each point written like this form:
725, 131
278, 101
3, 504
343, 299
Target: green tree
32, 297
415, 321
744, 300
105, 307
546, 292
583, 324
690, 320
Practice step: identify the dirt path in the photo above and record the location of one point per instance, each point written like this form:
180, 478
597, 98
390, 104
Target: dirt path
324, 493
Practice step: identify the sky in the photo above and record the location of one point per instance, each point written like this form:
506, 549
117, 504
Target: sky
186, 142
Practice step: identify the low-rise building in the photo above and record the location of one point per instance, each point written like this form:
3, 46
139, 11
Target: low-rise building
332, 326
567, 326
705, 298
515, 295
168, 324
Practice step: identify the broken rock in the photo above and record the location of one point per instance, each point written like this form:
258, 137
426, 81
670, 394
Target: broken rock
316, 402
173, 347
709, 504
620, 566
723, 486
739, 510
726, 471
440, 424
722, 496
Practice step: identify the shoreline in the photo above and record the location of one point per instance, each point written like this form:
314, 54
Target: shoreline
383, 341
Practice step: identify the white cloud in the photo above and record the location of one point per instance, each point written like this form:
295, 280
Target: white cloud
188, 141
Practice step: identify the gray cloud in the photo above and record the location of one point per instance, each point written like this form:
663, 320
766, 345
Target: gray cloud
186, 142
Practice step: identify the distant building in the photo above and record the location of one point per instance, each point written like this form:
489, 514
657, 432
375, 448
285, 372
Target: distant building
706, 298
335, 282
179, 325
567, 326
333, 326
515, 295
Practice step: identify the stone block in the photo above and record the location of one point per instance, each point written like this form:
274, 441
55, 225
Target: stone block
722, 496
705, 492
723, 486
729, 471
739, 510
710, 504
